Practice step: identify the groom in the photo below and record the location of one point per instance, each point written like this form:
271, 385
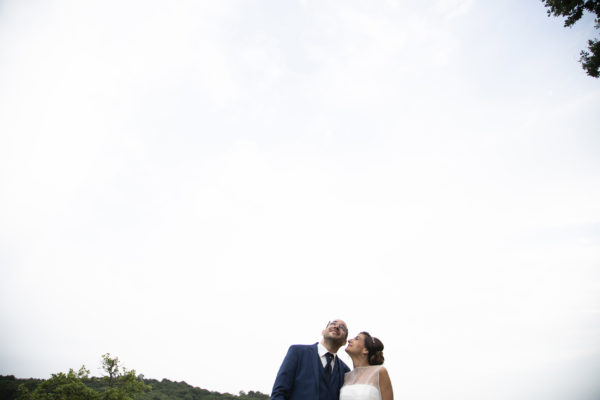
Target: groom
313, 372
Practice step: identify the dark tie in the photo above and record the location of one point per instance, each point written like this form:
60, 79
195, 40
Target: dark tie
329, 358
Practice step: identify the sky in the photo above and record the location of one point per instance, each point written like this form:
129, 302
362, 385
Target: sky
193, 186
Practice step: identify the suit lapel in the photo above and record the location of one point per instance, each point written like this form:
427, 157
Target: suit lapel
317, 366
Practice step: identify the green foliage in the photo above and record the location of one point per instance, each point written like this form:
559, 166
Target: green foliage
573, 10
61, 386
168, 390
11, 387
121, 383
591, 62
117, 383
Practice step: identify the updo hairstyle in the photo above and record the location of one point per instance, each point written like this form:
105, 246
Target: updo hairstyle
375, 349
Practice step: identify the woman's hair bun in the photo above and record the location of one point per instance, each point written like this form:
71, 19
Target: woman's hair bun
375, 348
376, 358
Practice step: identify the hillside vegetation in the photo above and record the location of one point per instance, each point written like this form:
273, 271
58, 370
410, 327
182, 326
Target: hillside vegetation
118, 383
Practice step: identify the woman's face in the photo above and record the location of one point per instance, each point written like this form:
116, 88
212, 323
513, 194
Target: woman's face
356, 346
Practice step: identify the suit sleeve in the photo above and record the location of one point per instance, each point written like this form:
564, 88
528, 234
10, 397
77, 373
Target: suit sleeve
284, 382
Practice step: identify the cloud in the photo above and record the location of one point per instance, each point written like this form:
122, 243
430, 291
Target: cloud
224, 167
453, 8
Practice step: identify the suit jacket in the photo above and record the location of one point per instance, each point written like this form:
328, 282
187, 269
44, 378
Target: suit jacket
302, 371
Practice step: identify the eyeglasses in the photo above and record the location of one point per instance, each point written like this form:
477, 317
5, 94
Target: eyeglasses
337, 325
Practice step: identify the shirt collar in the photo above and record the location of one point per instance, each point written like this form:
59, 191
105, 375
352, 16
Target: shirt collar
322, 350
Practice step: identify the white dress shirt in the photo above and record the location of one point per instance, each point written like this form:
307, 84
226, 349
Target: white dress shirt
322, 350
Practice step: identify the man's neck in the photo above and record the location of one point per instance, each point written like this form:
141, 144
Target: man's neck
331, 347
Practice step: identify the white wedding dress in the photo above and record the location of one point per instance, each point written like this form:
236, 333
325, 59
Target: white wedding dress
362, 383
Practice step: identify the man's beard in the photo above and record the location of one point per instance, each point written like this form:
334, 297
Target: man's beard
335, 342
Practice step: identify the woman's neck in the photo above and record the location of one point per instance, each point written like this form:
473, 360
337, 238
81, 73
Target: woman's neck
359, 362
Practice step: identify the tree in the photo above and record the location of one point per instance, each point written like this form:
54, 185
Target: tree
118, 384
61, 386
122, 384
573, 10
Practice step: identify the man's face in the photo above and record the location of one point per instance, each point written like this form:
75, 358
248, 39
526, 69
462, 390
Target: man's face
336, 330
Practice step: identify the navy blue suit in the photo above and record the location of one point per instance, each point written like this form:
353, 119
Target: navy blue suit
302, 376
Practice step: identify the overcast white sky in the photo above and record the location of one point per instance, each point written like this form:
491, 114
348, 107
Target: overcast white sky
193, 186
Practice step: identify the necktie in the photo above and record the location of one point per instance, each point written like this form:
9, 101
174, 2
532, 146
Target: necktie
328, 368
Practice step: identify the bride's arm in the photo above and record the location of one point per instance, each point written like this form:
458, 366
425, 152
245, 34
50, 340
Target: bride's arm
385, 385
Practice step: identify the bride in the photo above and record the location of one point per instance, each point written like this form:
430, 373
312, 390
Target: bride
369, 380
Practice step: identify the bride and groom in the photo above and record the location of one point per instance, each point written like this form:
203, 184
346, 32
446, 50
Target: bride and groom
314, 372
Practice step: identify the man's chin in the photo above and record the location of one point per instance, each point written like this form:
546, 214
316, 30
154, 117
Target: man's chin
338, 342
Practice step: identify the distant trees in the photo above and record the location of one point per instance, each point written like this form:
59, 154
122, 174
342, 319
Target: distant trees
61, 386
122, 384
169, 390
10, 386
573, 10
117, 383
